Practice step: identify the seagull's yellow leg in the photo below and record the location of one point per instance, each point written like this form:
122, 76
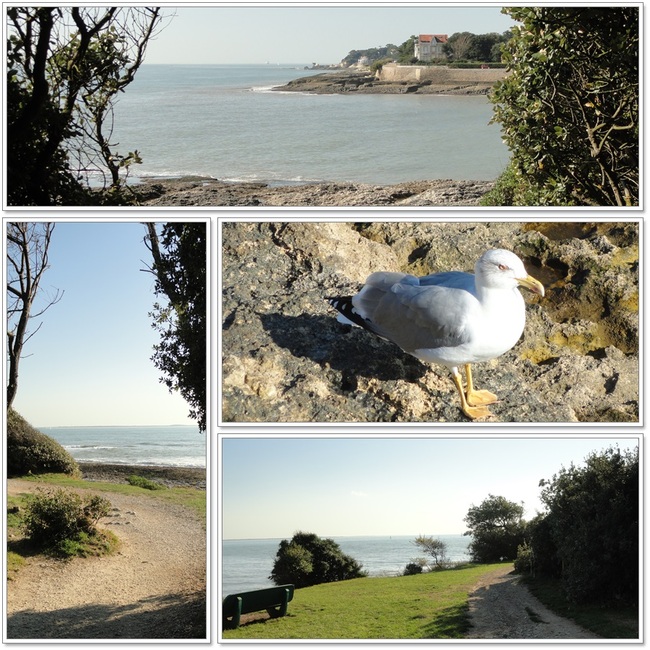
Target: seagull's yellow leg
477, 397
472, 412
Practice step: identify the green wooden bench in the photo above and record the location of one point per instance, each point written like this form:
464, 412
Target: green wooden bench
274, 600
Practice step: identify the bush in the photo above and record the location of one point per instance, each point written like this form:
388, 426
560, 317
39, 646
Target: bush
30, 451
525, 560
140, 481
412, 568
54, 519
569, 106
308, 560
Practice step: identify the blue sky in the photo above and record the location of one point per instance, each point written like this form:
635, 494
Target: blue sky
306, 34
273, 487
89, 364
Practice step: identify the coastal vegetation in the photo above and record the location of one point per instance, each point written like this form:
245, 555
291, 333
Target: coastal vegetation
569, 107
308, 559
65, 68
31, 452
179, 254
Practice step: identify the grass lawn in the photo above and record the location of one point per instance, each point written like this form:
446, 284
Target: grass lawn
427, 606
189, 497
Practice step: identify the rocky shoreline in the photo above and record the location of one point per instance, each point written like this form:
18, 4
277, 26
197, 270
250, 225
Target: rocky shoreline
194, 477
199, 191
352, 81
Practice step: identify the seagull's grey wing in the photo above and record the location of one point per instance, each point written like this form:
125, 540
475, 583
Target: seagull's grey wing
454, 279
416, 317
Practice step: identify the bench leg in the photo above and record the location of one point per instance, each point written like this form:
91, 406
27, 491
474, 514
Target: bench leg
233, 622
281, 610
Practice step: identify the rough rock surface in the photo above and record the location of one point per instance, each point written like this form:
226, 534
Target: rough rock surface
210, 192
285, 358
365, 83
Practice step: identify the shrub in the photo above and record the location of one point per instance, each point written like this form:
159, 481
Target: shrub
412, 568
308, 560
54, 519
30, 451
525, 560
140, 481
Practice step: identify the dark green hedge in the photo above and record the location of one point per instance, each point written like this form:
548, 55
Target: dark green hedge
30, 451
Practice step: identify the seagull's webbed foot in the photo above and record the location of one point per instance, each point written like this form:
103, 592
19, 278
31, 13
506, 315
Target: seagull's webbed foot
477, 397
473, 412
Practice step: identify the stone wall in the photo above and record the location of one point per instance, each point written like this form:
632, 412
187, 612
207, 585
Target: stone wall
439, 74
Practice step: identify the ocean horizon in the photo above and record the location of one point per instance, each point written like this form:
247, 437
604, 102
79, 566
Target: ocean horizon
165, 446
227, 122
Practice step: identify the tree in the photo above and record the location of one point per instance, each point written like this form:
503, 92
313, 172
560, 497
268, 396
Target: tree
497, 529
65, 66
459, 45
435, 548
179, 254
308, 560
593, 522
28, 247
569, 106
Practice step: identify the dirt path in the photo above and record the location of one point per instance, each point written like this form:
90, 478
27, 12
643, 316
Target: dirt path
501, 607
152, 588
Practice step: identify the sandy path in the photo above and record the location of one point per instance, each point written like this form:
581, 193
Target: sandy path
501, 607
149, 589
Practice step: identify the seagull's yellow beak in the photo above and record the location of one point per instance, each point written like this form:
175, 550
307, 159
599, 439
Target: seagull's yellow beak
532, 284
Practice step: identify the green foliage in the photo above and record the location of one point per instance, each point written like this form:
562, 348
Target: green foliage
61, 520
30, 451
483, 48
307, 560
593, 521
180, 258
65, 66
525, 560
436, 549
569, 106
412, 568
372, 54
497, 529
141, 481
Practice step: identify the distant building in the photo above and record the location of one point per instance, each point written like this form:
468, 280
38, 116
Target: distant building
429, 46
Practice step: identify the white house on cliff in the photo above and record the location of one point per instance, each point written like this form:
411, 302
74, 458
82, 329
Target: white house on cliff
429, 46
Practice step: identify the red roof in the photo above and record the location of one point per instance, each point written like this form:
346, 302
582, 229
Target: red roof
428, 38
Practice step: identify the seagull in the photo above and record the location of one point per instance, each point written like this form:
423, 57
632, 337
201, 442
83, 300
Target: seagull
452, 318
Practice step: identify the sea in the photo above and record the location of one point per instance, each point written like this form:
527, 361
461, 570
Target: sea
247, 563
164, 446
226, 122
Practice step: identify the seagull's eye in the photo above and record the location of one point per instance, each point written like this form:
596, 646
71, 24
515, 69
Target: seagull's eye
503, 267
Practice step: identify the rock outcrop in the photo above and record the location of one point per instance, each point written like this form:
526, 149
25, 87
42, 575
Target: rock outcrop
201, 191
287, 359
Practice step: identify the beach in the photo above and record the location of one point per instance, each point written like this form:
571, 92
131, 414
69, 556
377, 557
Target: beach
194, 477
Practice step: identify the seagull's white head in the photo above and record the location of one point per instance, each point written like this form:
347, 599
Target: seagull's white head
501, 269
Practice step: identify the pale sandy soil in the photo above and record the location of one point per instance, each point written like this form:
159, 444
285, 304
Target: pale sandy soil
153, 587
501, 607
